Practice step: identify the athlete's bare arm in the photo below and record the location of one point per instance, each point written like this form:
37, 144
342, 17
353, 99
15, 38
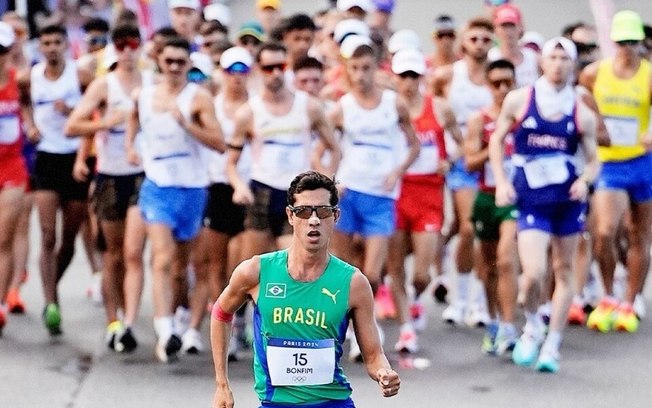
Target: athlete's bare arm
441, 80
80, 122
241, 134
203, 124
474, 155
587, 98
449, 123
588, 125
133, 125
243, 283
86, 76
25, 98
361, 304
327, 141
80, 170
405, 123
588, 76
513, 105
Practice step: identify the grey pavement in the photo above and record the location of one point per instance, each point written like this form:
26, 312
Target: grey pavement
77, 371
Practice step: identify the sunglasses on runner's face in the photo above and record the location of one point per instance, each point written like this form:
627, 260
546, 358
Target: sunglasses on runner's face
305, 211
179, 61
123, 43
630, 43
500, 82
484, 40
268, 69
445, 34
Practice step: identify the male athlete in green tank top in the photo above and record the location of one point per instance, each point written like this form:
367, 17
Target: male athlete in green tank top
304, 298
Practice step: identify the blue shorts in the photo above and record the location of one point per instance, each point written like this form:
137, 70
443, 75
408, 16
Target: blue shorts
179, 208
366, 214
633, 176
559, 219
347, 403
458, 178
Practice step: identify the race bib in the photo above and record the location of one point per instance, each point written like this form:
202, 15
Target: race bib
9, 129
622, 131
373, 161
301, 362
286, 157
546, 171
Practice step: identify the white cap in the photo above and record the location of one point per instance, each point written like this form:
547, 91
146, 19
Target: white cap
219, 12
409, 60
350, 26
202, 62
403, 40
344, 5
565, 43
352, 43
191, 4
532, 37
234, 55
7, 35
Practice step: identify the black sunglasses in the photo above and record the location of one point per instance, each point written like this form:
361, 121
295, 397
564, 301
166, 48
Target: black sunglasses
179, 61
268, 69
305, 211
409, 74
630, 43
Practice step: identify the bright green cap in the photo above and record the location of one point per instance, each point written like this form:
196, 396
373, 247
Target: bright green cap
627, 25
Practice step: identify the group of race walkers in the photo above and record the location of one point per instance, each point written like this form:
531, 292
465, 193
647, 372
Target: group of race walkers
189, 141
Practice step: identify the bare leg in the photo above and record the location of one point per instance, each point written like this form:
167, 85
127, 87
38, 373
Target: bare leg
506, 261
21, 242
164, 250
563, 254
375, 255
638, 254
113, 276
74, 213
396, 269
10, 207
47, 203
134, 243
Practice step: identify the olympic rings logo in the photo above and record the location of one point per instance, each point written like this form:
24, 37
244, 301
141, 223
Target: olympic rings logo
299, 378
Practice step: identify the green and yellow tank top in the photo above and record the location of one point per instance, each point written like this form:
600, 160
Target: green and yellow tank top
299, 329
625, 106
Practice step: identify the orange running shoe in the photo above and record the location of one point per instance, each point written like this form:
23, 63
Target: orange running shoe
385, 307
14, 303
576, 315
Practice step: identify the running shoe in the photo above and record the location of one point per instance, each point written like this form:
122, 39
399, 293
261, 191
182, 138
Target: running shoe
441, 293
602, 317
167, 349
454, 313
527, 347
384, 303
52, 319
125, 341
506, 339
477, 315
181, 319
548, 361
418, 315
191, 342
639, 306
576, 315
489, 339
407, 342
111, 331
14, 302
625, 319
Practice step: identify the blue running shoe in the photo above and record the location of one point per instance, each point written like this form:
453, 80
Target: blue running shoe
526, 349
548, 362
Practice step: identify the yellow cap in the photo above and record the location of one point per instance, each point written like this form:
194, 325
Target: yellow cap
263, 4
627, 25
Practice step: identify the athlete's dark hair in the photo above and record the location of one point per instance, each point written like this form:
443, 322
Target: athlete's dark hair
125, 31
165, 32
500, 64
310, 181
299, 22
308, 63
363, 51
178, 42
96, 24
53, 29
272, 47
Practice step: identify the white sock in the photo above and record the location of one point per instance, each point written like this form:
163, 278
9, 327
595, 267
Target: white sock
553, 341
164, 327
463, 286
578, 300
406, 327
533, 320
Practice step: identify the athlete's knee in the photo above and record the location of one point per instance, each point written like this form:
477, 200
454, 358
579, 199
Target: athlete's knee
48, 239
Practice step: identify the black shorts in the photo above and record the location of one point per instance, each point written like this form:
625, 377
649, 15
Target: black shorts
53, 172
268, 210
115, 194
221, 214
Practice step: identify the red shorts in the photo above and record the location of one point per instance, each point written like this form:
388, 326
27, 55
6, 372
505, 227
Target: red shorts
13, 172
420, 207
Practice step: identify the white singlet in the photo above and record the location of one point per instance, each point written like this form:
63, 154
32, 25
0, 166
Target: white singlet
171, 157
50, 123
372, 145
527, 71
280, 145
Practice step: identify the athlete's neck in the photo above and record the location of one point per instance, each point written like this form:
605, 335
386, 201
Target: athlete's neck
54, 68
626, 61
174, 87
275, 96
235, 94
475, 66
306, 266
511, 52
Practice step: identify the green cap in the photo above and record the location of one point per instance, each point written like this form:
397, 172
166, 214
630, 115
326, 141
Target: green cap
627, 25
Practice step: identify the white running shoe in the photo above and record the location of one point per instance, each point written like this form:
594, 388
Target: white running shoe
167, 348
181, 320
639, 306
191, 342
94, 291
454, 313
418, 316
506, 339
477, 316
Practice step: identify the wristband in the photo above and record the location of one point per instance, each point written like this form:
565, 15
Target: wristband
219, 314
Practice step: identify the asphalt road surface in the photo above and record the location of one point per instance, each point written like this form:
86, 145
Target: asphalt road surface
77, 371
